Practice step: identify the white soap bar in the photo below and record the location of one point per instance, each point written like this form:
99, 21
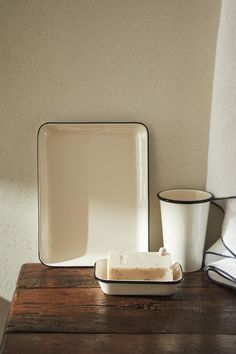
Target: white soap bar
140, 266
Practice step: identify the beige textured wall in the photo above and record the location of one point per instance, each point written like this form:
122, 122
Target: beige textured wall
100, 60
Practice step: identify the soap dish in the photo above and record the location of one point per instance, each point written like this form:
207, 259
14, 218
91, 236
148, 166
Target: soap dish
135, 287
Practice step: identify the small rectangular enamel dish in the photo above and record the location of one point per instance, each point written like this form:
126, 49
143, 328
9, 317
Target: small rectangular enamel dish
135, 287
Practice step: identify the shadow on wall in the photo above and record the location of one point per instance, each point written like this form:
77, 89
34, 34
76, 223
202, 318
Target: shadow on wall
214, 227
4, 307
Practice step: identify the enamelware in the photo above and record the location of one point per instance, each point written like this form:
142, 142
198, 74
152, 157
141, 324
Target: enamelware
93, 191
135, 287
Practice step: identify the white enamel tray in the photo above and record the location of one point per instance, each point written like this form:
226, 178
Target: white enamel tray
135, 287
93, 191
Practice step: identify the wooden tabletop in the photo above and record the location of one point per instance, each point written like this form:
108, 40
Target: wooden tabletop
62, 310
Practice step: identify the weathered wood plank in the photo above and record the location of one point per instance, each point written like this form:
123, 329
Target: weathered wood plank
119, 344
27, 300
36, 275
84, 310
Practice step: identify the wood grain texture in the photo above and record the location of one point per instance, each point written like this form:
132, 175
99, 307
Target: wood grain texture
55, 308
90, 311
118, 344
36, 275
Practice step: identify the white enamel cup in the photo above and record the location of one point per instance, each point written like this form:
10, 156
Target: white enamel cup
184, 216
